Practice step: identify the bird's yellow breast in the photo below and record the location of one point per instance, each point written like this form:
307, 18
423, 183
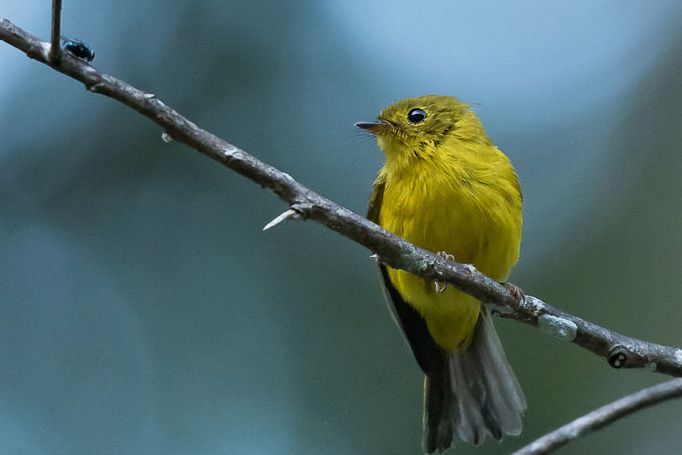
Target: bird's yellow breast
474, 216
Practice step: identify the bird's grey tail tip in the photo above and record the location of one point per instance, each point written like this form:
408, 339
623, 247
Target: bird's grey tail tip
473, 395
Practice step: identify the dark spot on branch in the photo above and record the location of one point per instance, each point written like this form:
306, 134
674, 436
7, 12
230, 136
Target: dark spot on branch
617, 359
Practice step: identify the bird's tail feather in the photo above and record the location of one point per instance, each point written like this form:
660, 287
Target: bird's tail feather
473, 393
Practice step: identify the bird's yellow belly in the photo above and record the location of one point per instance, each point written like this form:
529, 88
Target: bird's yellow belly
448, 224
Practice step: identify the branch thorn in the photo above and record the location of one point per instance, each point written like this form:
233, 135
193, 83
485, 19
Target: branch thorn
290, 213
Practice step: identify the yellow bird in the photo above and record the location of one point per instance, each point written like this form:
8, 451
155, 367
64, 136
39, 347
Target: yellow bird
447, 188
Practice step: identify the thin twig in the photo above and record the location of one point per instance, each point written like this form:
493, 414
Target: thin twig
619, 350
599, 418
55, 50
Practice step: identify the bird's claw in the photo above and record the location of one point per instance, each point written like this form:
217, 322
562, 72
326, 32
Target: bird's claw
441, 286
515, 291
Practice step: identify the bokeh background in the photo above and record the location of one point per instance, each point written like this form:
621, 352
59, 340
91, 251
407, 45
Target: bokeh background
143, 311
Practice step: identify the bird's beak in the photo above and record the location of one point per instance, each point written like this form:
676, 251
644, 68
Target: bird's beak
373, 127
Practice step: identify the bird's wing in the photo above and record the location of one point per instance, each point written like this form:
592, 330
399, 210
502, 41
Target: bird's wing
429, 355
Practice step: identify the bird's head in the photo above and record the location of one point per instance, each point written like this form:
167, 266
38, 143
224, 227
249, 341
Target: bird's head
418, 127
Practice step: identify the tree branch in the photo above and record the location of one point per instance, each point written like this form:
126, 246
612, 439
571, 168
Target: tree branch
599, 418
55, 50
619, 350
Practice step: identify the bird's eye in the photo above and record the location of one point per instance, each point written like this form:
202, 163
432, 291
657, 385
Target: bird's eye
416, 116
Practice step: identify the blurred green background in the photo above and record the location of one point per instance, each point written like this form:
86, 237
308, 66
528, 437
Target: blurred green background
143, 311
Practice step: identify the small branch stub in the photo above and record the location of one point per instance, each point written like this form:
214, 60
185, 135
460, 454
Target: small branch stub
622, 356
617, 359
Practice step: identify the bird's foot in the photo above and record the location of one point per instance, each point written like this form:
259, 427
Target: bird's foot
516, 291
440, 286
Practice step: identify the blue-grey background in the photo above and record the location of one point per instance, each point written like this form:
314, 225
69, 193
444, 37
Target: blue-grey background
143, 311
